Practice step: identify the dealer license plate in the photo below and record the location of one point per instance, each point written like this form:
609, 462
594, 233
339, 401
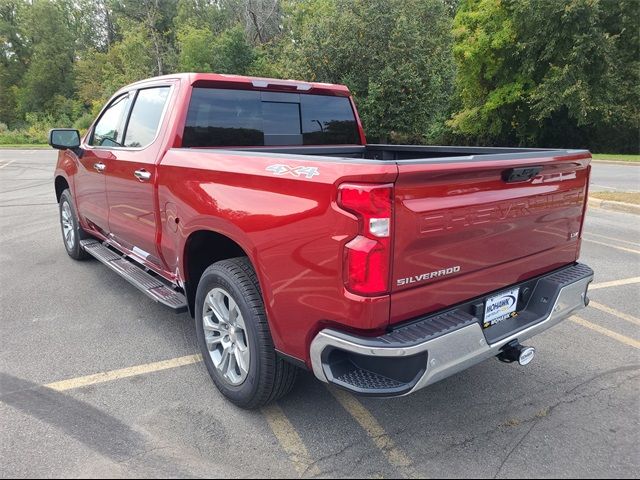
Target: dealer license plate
500, 307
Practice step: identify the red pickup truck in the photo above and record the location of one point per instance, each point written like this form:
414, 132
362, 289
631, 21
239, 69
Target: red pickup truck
257, 205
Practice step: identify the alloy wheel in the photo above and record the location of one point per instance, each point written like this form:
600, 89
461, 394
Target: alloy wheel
225, 335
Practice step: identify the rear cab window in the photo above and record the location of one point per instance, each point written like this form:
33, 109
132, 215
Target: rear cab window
237, 118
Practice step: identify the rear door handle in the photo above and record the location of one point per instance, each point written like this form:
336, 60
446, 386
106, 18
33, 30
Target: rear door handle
142, 175
99, 166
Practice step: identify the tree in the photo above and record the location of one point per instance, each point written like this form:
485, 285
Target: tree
154, 20
195, 49
394, 55
558, 73
13, 59
50, 68
231, 53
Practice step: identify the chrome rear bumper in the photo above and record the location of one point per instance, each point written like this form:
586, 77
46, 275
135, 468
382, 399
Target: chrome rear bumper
424, 352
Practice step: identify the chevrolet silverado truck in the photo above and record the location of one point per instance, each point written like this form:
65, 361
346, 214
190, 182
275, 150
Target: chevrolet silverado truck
257, 206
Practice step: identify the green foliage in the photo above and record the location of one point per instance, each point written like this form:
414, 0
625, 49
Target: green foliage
202, 51
483, 50
50, 67
550, 72
505, 72
194, 49
36, 132
395, 55
231, 53
202, 14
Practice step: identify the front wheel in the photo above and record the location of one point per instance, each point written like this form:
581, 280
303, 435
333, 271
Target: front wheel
234, 337
72, 232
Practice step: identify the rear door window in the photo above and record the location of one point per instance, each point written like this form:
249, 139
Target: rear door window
219, 117
145, 116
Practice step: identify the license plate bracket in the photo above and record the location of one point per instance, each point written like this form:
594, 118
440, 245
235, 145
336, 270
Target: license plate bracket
501, 306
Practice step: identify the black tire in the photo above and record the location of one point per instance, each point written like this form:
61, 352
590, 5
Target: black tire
73, 248
269, 377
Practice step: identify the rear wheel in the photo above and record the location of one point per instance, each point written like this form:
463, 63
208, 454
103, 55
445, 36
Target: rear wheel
234, 337
72, 232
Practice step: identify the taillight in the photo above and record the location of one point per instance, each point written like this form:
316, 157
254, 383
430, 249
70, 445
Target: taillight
368, 256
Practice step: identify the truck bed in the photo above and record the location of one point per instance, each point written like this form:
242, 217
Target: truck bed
465, 224
415, 153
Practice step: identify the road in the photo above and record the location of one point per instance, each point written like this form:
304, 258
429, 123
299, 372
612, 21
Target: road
609, 177
82, 393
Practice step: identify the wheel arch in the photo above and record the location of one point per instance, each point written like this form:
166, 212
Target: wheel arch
61, 184
203, 248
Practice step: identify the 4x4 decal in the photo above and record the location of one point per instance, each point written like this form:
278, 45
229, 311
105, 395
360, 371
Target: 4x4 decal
300, 171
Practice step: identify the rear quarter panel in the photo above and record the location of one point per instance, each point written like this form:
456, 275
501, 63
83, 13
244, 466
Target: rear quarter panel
289, 226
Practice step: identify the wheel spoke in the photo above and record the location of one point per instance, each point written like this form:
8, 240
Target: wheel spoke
224, 359
242, 359
231, 373
216, 302
209, 325
234, 311
213, 341
67, 225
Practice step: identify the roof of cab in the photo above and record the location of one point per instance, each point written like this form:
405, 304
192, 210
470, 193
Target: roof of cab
257, 83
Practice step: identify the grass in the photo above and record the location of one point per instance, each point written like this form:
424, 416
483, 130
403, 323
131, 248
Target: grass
620, 157
626, 197
25, 146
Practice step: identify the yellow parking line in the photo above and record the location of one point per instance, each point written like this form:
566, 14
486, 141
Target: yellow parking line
282, 428
290, 441
605, 331
102, 377
614, 312
614, 283
624, 249
395, 456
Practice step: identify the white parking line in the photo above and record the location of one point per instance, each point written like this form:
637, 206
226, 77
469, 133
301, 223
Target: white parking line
635, 244
7, 164
615, 283
614, 312
604, 186
624, 249
605, 331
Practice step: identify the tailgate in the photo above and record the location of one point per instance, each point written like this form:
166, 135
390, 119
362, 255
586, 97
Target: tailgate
463, 229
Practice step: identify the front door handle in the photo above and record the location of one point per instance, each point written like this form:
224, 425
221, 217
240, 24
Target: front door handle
142, 175
99, 166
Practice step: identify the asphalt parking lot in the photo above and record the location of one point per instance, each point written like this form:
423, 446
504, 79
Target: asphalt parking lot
98, 380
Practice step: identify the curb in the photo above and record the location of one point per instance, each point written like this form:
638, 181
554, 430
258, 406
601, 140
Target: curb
615, 206
616, 162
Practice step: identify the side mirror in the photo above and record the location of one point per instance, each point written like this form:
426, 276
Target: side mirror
64, 138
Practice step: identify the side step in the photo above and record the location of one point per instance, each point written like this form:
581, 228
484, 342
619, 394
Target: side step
137, 276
